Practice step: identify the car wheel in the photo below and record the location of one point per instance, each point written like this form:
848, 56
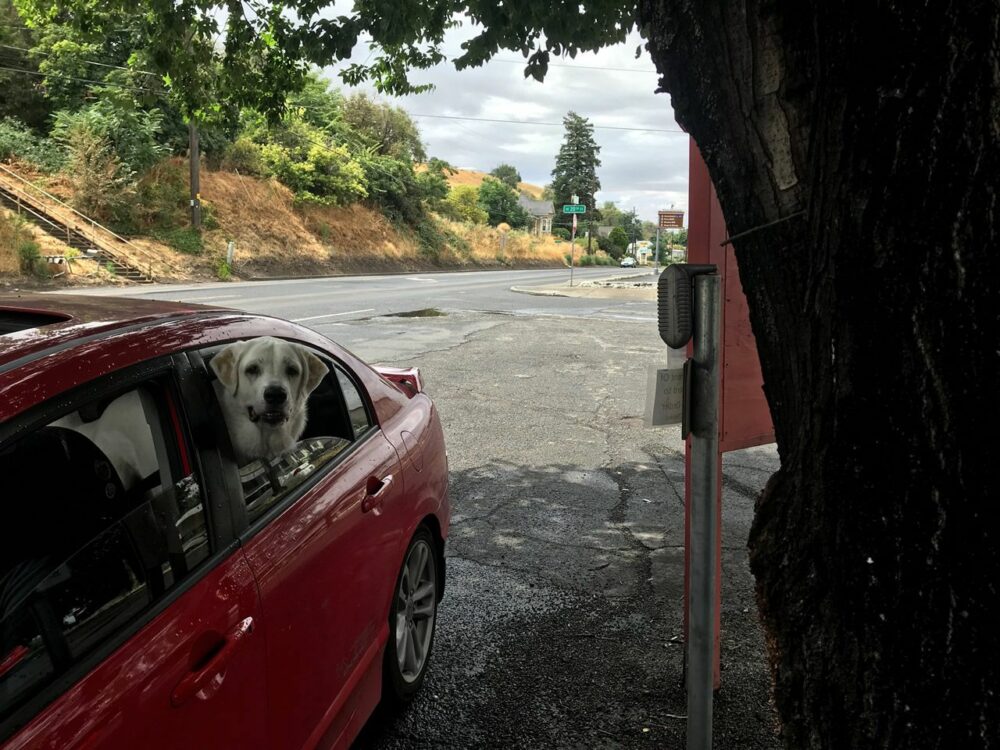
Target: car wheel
411, 621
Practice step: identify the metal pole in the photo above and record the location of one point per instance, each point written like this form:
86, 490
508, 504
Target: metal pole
704, 486
195, 159
572, 250
656, 264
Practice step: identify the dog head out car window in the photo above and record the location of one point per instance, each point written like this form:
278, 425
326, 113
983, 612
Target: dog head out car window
265, 385
285, 413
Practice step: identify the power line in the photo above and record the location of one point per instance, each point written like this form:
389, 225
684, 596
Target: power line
88, 62
24, 71
553, 124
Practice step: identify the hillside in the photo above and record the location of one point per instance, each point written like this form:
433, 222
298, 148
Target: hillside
475, 178
275, 236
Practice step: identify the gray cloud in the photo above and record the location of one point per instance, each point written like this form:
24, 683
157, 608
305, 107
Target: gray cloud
644, 169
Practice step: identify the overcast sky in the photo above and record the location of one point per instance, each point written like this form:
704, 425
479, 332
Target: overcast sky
647, 170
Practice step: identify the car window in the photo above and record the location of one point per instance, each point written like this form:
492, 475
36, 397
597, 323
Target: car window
101, 518
271, 469
355, 404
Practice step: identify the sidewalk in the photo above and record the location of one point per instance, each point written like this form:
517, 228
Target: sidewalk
641, 286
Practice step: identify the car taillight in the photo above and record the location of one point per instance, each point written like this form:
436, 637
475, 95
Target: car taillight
406, 379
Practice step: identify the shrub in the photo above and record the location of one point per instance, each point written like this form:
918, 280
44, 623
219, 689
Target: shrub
243, 156
108, 148
29, 258
462, 204
18, 142
186, 239
162, 196
223, 271
560, 232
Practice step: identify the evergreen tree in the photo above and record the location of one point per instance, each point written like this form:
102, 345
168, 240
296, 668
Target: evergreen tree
576, 165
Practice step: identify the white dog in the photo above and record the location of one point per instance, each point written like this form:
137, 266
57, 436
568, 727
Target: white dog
265, 383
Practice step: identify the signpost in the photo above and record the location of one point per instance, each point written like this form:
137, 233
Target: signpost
671, 219
573, 208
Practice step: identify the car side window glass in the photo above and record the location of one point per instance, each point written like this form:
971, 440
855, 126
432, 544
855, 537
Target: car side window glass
355, 404
102, 517
281, 443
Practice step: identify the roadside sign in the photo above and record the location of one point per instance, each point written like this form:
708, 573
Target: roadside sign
574, 208
671, 219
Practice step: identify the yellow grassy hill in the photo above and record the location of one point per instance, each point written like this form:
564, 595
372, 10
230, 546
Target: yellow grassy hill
475, 178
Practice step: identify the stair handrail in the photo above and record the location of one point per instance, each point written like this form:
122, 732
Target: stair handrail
145, 254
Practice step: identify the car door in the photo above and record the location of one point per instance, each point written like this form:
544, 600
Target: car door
324, 557
129, 618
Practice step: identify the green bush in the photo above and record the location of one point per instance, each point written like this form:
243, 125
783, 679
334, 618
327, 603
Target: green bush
29, 258
162, 196
186, 239
243, 156
462, 204
560, 232
18, 142
223, 271
108, 149
319, 174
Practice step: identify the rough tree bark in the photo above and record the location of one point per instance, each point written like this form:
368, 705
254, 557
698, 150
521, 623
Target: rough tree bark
873, 131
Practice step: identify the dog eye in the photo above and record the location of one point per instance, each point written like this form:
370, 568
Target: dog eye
292, 372
252, 370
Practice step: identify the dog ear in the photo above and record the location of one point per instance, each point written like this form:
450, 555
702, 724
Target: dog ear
314, 368
225, 364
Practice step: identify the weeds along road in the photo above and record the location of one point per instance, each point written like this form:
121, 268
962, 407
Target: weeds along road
561, 622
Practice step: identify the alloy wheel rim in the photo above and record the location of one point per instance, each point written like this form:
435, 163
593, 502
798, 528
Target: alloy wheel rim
416, 608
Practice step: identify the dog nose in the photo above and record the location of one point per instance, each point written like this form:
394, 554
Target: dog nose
275, 395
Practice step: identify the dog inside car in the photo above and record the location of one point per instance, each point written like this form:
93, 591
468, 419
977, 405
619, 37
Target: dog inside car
264, 386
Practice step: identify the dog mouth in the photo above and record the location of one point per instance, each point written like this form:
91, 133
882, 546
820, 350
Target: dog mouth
268, 417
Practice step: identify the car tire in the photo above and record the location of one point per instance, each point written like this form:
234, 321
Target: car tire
412, 618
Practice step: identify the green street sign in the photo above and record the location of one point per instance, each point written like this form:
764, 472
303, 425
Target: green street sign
574, 208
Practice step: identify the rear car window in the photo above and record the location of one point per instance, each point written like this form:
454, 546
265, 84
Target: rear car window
101, 517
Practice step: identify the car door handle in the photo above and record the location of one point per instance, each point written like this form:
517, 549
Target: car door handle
377, 489
199, 678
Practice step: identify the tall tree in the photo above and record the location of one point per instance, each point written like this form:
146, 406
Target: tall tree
388, 129
575, 172
855, 150
508, 175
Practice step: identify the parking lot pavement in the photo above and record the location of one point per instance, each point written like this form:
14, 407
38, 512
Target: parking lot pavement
561, 622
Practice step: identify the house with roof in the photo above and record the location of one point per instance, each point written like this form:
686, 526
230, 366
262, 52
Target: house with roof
541, 213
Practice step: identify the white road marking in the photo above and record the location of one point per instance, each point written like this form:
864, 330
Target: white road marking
417, 278
213, 299
332, 315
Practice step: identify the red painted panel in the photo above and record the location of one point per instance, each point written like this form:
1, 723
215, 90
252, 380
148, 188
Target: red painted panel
744, 418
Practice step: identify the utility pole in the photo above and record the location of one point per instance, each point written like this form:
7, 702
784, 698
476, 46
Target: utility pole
195, 157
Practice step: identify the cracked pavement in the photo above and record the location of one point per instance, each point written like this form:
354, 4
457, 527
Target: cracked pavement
561, 624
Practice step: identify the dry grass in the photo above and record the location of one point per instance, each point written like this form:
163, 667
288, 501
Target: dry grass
274, 236
474, 178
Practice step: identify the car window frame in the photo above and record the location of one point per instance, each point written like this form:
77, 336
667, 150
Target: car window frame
222, 445
222, 541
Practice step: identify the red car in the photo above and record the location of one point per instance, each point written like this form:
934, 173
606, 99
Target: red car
156, 594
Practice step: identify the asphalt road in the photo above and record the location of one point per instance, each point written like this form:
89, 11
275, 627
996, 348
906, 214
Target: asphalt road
562, 620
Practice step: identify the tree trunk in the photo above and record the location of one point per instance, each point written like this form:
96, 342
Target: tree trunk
871, 133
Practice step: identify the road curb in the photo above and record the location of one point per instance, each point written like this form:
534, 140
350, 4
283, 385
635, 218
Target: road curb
539, 292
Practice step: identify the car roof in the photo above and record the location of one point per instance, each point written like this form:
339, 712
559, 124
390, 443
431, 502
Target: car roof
31, 323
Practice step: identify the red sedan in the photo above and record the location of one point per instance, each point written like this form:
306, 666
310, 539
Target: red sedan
164, 583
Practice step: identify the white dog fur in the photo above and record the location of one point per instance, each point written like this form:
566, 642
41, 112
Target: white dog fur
261, 425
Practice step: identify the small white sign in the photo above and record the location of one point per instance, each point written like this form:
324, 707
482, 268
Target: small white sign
664, 396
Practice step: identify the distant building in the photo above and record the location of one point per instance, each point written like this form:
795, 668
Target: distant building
541, 213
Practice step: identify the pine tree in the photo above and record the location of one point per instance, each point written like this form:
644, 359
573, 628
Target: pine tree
576, 164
